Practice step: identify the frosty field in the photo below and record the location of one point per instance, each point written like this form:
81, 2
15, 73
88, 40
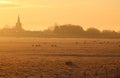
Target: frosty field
59, 58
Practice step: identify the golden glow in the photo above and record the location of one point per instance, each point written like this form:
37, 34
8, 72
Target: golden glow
40, 14
4, 2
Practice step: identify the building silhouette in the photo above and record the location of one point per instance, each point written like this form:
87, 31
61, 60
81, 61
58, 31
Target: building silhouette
18, 26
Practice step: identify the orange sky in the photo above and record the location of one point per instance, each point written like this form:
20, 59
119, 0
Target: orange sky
40, 14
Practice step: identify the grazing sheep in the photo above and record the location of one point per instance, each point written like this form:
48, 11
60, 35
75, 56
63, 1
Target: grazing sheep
53, 45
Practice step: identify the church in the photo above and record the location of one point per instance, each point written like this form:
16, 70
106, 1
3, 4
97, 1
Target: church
15, 29
18, 26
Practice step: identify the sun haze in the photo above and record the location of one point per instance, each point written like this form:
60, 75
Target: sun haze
41, 14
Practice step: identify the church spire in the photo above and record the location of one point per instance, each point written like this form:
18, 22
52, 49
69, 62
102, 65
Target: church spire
18, 26
18, 19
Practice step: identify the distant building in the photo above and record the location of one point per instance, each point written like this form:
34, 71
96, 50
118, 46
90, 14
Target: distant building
18, 27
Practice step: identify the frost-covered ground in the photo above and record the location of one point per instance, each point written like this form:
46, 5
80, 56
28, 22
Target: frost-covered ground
59, 58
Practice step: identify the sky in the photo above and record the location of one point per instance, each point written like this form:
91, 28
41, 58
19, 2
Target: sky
43, 14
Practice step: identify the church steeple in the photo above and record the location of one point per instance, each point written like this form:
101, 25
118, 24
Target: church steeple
18, 26
18, 19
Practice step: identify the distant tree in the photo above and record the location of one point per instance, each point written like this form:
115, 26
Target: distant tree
56, 29
69, 29
47, 31
93, 32
109, 33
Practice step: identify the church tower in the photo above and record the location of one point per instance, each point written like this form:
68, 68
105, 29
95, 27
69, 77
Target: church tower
18, 26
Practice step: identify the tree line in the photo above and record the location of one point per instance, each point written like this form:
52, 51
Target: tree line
70, 30
63, 31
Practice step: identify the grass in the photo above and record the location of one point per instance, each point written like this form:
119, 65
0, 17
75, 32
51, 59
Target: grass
59, 58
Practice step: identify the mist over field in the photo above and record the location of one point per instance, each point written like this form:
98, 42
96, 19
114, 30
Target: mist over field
63, 51
59, 38
59, 58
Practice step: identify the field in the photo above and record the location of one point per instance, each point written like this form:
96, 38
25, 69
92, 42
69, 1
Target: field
59, 58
